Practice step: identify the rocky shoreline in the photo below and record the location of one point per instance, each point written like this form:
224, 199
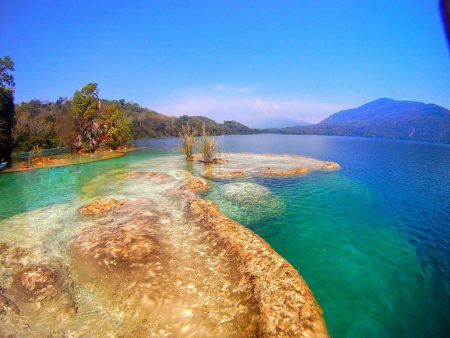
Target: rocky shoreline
66, 159
152, 258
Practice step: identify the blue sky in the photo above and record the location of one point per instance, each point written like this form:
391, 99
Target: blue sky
243, 60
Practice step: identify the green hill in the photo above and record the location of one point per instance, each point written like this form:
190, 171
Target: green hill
49, 124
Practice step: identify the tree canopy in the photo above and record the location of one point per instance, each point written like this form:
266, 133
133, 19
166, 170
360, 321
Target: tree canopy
6, 108
98, 126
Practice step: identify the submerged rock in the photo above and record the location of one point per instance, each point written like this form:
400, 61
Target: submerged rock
154, 176
13, 257
7, 306
158, 260
37, 282
113, 248
196, 184
228, 173
97, 208
39, 290
247, 202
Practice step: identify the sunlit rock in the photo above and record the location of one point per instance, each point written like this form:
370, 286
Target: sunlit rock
274, 165
97, 208
286, 306
149, 259
195, 184
331, 166
287, 172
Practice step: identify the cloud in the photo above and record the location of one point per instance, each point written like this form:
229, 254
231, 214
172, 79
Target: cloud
223, 102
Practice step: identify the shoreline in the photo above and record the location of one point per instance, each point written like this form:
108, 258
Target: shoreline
68, 159
148, 250
292, 309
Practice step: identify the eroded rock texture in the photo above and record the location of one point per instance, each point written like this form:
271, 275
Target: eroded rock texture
114, 247
149, 257
97, 208
285, 303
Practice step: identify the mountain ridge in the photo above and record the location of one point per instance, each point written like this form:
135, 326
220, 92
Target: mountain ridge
384, 118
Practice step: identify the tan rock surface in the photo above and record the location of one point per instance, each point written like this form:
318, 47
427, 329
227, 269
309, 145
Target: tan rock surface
153, 260
100, 207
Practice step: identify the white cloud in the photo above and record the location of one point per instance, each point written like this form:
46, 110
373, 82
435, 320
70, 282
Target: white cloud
223, 102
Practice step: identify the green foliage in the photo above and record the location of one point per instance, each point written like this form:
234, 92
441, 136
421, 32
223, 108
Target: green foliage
85, 103
99, 124
88, 122
187, 141
117, 127
33, 128
146, 123
6, 108
86, 110
6, 69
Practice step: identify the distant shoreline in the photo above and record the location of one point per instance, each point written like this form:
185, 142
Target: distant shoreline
66, 159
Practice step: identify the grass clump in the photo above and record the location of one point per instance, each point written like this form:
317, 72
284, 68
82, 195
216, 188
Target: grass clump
187, 143
208, 147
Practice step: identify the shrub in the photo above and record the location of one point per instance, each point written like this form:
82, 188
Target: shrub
208, 147
187, 142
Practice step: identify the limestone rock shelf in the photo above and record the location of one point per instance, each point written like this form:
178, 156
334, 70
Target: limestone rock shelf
140, 254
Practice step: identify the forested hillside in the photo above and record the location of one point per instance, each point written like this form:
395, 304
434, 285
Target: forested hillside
50, 124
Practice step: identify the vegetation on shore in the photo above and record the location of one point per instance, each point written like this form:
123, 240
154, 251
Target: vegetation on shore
187, 141
97, 126
86, 122
208, 147
51, 124
6, 108
205, 144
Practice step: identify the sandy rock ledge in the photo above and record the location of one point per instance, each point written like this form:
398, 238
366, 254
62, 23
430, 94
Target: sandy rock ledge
287, 307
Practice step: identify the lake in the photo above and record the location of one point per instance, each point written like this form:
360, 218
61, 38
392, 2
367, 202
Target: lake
372, 240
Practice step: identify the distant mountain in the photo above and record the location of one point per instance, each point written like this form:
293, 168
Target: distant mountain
385, 118
277, 122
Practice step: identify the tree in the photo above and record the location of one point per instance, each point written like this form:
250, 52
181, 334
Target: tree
86, 109
6, 108
116, 126
98, 126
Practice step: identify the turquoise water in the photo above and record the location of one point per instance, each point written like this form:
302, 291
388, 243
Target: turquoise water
372, 240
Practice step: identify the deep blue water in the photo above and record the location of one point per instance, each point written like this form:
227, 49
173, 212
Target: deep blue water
373, 239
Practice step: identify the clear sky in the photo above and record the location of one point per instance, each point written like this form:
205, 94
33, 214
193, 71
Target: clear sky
243, 60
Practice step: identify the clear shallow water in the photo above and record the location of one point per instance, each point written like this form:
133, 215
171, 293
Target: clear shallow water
372, 240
